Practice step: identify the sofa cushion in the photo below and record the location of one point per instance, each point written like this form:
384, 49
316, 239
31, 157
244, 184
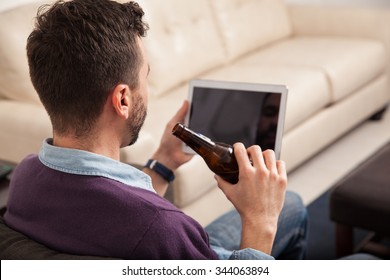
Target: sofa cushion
26, 126
330, 123
246, 25
15, 26
348, 63
182, 42
193, 180
308, 89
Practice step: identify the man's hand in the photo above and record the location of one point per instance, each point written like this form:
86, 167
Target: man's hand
170, 152
258, 196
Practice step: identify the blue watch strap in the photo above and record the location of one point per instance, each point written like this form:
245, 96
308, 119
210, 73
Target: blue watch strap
160, 169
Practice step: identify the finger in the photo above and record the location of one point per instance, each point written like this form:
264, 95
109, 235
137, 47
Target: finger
270, 160
242, 157
256, 156
281, 166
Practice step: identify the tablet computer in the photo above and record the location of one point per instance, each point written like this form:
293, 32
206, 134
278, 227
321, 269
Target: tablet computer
231, 112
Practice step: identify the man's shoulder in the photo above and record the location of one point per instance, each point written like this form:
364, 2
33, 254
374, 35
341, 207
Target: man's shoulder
29, 164
31, 159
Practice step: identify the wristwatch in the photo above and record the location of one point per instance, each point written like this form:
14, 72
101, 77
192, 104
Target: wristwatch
161, 170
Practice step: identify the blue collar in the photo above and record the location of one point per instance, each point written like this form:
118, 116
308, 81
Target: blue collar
86, 163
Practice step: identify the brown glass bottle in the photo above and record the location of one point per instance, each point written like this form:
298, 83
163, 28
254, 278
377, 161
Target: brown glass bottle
219, 157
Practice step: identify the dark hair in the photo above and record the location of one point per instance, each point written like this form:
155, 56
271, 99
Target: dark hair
78, 52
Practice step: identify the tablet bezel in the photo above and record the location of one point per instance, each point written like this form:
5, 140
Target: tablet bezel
255, 87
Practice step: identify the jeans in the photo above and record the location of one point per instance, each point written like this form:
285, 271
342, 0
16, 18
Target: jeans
290, 240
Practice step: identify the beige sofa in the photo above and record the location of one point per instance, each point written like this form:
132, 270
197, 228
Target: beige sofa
335, 62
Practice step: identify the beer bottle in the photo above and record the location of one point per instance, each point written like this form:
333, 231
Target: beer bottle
219, 157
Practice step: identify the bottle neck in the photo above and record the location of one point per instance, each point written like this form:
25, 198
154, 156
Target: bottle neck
191, 138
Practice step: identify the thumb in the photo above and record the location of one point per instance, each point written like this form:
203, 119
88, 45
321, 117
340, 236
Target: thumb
181, 113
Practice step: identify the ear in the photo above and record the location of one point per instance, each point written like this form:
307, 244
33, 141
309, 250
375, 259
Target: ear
120, 100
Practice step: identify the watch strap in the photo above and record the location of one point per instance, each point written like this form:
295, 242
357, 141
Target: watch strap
161, 169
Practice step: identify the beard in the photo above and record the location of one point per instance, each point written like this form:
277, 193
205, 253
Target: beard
137, 118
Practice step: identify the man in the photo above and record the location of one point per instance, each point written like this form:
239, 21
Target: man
88, 65
268, 121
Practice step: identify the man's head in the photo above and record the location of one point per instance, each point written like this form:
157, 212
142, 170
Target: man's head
78, 53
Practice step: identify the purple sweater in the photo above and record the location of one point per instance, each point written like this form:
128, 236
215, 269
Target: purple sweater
90, 215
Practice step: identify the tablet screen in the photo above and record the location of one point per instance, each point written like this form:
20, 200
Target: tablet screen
230, 115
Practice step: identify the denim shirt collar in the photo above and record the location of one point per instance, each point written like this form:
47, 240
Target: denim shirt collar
89, 164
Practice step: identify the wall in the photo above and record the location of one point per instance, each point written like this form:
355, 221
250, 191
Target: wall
373, 3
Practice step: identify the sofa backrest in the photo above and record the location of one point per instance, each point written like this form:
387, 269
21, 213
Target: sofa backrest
182, 42
15, 26
246, 25
188, 38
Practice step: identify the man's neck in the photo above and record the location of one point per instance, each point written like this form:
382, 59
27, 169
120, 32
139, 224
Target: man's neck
97, 145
